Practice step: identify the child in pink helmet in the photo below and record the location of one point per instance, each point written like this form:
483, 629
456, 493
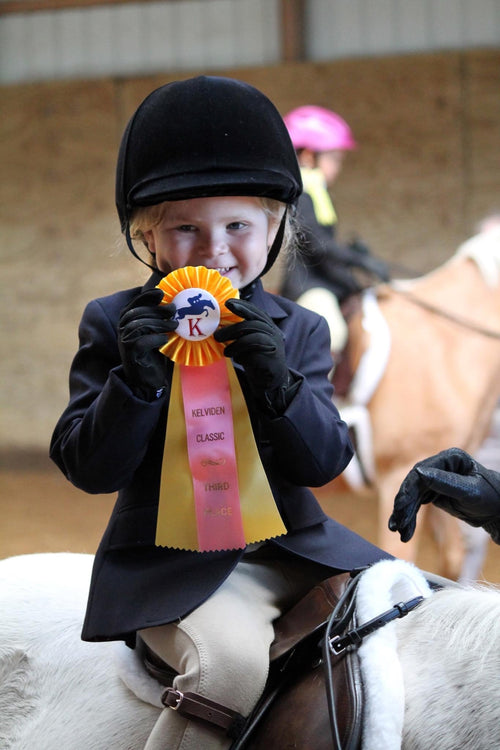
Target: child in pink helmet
324, 277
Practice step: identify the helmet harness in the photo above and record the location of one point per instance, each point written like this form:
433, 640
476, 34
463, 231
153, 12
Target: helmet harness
203, 137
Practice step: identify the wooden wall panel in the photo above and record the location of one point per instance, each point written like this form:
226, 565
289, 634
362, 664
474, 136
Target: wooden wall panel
403, 112
425, 171
481, 129
58, 240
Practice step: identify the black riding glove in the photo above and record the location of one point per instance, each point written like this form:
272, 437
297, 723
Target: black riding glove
143, 328
455, 482
257, 345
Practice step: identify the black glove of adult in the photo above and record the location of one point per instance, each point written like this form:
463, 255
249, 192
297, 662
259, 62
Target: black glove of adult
143, 328
257, 345
455, 482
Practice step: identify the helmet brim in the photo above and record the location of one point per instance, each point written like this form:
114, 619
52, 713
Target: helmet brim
217, 183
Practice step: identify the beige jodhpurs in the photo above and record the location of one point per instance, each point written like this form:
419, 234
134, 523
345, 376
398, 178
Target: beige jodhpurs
221, 650
323, 302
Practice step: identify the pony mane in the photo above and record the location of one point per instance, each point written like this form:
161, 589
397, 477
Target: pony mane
448, 647
484, 250
467, 616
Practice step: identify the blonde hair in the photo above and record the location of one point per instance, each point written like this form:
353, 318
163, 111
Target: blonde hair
145, 218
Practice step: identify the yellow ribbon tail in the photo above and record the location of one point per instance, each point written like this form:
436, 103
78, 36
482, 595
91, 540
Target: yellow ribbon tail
176, 523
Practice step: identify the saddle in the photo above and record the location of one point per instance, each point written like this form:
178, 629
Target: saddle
297, 659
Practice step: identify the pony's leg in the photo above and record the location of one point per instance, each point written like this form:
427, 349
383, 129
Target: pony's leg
391, 543
445, 529
449, 541
476, 541
387, 486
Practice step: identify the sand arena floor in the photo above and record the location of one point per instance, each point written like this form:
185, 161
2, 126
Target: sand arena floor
42, 512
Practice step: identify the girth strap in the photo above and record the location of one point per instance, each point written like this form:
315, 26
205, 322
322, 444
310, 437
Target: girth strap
195, 706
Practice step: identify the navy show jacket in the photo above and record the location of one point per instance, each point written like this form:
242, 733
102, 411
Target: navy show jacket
108, 440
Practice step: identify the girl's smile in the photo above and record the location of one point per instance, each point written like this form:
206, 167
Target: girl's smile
229, 234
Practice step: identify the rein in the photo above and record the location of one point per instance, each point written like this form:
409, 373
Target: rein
463, 322
355, 636
335, 643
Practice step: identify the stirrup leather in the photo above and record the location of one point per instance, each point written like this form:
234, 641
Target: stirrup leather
195, 706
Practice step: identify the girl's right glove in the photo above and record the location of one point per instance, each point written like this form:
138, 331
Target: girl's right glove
143, 328
455, 482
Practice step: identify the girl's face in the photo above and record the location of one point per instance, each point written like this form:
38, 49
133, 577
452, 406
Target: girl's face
229, 234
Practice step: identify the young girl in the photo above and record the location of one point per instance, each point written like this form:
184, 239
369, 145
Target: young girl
207, 178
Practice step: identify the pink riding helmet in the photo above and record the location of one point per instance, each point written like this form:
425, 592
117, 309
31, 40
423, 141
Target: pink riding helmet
318, 129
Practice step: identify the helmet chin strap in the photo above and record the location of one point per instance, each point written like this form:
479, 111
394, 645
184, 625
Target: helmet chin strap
246, 291
132, 249
276, 246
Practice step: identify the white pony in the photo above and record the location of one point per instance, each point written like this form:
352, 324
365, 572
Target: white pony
433, 679
57, 692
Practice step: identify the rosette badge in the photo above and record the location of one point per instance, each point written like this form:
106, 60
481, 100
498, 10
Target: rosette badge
209, 498
199, 295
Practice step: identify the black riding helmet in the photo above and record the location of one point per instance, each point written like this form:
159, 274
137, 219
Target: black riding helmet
202, 137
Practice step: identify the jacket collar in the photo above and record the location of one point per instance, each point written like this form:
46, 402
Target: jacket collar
267, 302
153, 280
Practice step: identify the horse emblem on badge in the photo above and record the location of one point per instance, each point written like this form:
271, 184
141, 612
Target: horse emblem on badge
198, 314
199, 295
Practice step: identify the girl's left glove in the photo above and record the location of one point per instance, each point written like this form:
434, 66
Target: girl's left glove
257, 345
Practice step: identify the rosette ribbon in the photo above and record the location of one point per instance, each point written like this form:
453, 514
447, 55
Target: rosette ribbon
214, 492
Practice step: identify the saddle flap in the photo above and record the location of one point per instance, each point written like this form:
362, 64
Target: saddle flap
296, 703
308, 615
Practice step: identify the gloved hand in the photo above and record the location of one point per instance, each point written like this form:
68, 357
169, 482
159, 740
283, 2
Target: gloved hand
455, 482
143, 328
257, 345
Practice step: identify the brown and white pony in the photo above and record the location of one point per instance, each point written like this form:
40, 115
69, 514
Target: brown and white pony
439, 375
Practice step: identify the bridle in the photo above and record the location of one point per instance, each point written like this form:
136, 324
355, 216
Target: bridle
457, 319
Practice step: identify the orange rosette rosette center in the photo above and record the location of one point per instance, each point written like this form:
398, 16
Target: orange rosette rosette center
200, 296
